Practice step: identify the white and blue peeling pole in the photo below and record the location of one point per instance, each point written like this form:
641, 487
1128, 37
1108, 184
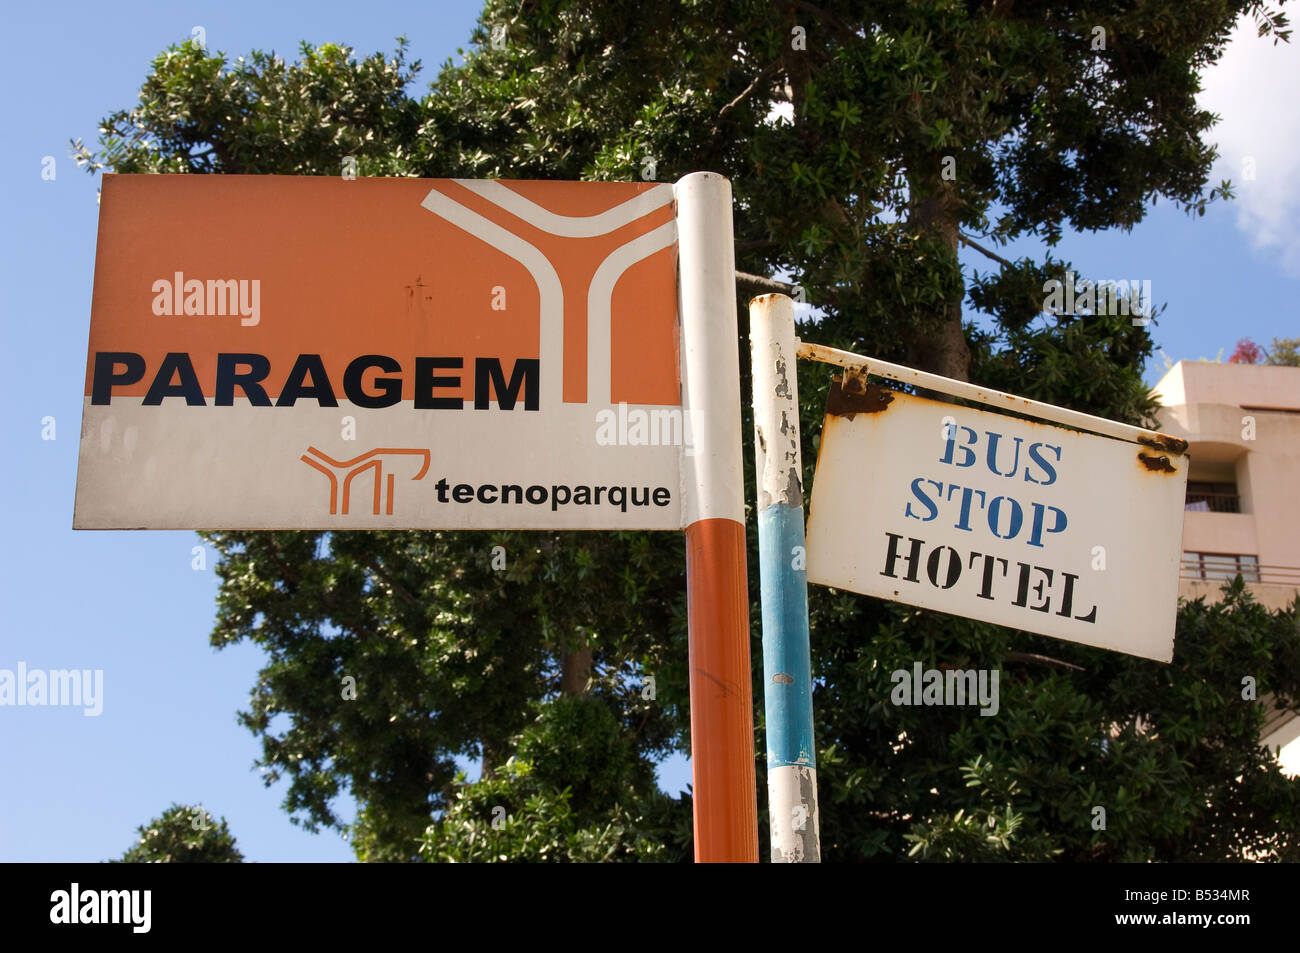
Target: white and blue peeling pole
787, 668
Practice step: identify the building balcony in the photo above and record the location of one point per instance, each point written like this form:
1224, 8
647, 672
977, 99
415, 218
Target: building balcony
1213, 502
1205, 531
1203, 575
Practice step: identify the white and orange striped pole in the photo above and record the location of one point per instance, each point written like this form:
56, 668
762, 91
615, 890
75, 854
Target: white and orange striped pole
722, 710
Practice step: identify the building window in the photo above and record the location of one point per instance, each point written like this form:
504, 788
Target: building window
1220, 566
1212, 497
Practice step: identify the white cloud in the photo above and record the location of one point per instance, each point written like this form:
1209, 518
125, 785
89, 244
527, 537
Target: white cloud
1252, 88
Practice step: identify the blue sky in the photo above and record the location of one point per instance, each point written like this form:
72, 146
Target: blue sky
74, 788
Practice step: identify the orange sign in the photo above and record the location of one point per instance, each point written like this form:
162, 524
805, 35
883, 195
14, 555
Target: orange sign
482, 354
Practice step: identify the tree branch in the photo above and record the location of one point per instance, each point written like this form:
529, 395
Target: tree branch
1041, 660
763, 74
287, 571
984, 251
760, 285
374, 566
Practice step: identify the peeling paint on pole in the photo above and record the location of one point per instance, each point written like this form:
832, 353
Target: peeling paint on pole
791, 750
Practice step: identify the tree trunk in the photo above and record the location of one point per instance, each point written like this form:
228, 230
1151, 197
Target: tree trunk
491, 758
939, 349
575, 671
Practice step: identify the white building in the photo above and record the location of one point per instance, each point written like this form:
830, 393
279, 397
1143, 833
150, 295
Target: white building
1242, 422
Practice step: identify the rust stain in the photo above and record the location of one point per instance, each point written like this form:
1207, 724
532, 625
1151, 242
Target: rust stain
783, 679
851, 396
417, 299
1165, 443
1158, 464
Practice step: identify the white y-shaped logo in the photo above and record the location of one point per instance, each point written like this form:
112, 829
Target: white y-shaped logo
550, 289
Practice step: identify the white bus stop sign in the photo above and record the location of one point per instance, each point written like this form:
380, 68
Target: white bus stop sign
1000, 519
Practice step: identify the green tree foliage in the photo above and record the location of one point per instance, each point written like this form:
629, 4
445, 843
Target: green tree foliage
448, 656
866, 143
184, 835
1170, 752
1284, 352
577, 793
262, 115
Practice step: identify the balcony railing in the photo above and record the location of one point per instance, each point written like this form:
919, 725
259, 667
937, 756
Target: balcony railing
1214, 570
1213, 502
